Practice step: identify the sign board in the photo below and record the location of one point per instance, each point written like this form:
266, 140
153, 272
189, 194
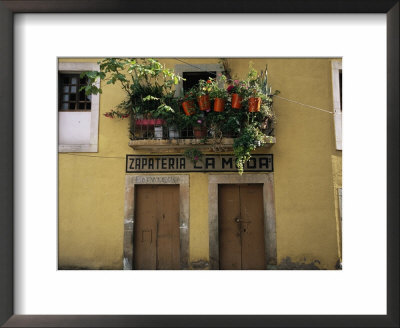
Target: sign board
209, 163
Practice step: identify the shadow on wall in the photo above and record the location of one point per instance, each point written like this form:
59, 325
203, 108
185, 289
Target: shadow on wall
287, 264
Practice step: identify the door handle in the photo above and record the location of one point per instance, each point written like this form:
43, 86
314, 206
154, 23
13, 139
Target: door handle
237, 220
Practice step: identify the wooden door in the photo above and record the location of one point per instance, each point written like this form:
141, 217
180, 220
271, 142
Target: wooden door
241, 227
156, 231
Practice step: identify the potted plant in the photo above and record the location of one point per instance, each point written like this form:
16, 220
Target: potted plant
218, 93
172, 118
193, 154
188, 103
199, 126
259, 89
203, 98
238, 91
147, 83
254, 95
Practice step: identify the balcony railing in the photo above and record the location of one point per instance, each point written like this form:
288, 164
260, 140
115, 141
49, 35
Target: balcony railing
154, 134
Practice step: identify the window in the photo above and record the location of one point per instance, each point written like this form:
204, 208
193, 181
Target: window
192, 78
195, 72
337, 100
78, 114
70, 98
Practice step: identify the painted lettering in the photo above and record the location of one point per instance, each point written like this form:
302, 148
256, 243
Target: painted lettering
251, 164
182, 164
137, 164
131, 165
210, 162
226, 162
263, 162
144, 162
151, 164
171, 163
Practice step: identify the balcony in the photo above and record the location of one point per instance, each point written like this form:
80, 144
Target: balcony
179, 145
156, 135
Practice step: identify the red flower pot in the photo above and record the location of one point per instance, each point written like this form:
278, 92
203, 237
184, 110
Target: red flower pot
236, 101
219, 105
204, 102
188, 107
254, 104
199, 132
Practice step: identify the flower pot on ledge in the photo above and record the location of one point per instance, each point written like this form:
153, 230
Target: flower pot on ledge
173, 132
199, 132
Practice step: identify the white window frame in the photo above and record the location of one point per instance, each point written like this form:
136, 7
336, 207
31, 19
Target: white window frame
182, 68
337, 110
92, 147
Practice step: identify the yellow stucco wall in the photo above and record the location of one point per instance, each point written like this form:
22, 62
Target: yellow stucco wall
92, 185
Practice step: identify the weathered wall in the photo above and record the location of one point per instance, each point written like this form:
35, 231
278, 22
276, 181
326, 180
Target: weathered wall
91, 185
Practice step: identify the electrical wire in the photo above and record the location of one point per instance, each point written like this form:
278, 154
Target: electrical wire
213, 73
182, 61
287, 99
299, 103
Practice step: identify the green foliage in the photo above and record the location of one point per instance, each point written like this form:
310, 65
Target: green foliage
193, 154
203, 87
147, 83
250, 138
190, 94
258, 85
149, 88
240, 87
218, 87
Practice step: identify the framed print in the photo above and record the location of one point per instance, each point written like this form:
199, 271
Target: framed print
54, 274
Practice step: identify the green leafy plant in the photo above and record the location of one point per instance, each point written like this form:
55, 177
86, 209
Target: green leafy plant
217, 87
149, 89
203, 87
250, 138
197, 120
238, 86
258, 85
147, 83
190, 94
193, 154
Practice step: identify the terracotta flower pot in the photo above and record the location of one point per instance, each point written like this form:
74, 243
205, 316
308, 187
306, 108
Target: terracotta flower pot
204, 102
199, 132
236, 101
188, 107
254, 104
219, 105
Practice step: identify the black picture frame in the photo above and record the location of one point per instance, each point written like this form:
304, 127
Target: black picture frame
10, 7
